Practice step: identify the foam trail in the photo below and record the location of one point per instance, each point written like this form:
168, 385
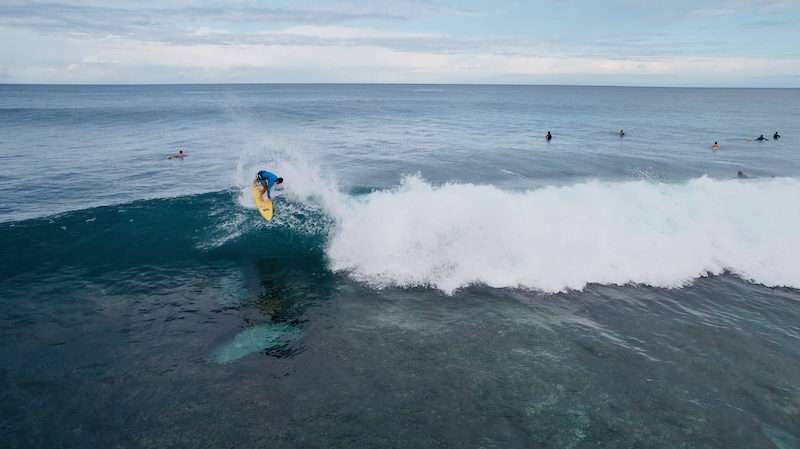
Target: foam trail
555, 239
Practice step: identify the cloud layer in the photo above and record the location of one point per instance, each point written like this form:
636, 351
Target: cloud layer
638, 43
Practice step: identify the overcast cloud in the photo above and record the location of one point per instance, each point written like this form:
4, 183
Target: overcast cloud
691, 43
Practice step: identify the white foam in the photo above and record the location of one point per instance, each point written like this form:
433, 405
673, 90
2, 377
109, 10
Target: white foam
555, 239
228, 228
303, 181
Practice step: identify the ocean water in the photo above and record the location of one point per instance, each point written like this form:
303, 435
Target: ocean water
437, 274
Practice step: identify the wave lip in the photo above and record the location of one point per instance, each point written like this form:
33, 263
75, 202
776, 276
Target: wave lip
557, 239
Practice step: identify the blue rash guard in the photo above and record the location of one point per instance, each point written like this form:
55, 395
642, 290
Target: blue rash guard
268, 179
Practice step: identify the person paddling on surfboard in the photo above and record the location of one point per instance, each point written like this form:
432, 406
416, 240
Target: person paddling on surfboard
267, 180
180, 154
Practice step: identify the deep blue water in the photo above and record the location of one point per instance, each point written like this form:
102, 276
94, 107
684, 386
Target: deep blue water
437, 273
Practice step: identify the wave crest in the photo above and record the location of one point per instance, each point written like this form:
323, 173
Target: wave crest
556, 239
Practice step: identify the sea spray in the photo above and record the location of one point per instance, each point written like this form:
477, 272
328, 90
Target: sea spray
303, 178
556, 239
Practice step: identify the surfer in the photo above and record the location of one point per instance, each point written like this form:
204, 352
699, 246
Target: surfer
548, 136
741, 175
180, 154
715, 146
267, 180
776, 136
621, 133
761, 138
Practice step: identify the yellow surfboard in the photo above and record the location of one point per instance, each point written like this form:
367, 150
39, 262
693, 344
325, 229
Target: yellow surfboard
265, 207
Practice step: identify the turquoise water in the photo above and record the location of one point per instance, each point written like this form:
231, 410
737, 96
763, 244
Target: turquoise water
437, 274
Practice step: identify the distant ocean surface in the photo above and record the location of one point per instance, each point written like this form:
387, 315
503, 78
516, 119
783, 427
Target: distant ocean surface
437, 274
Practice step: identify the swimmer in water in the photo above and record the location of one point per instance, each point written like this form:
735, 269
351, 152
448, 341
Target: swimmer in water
761, 138
741, 175
548, 136
621, 133
715, 146
180, 154
776, 136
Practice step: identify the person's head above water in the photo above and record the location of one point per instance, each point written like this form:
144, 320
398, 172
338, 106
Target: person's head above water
279, 181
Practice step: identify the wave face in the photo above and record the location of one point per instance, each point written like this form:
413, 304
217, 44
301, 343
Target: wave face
555, 239
181, 233
445, 237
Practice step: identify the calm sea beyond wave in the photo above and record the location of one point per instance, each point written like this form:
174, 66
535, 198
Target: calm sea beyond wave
437, 274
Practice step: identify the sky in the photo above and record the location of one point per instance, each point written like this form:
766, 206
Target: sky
686, 43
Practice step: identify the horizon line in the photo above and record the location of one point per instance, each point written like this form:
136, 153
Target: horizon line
389, 84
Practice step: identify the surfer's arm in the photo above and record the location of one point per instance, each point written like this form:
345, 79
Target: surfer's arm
269, 188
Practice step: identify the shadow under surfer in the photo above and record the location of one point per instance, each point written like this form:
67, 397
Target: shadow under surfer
267, 180
180, 154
